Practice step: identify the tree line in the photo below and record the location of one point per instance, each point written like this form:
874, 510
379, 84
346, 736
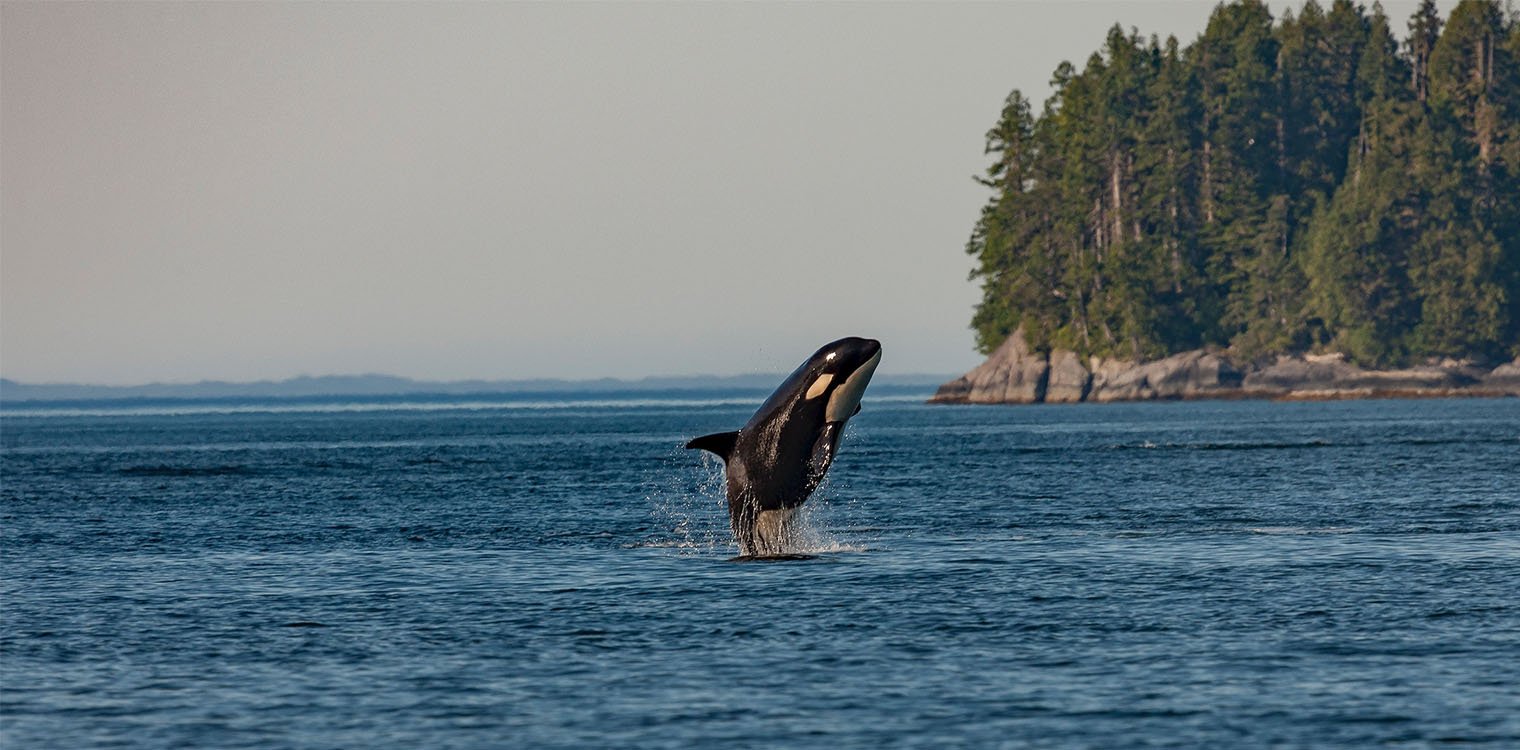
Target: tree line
1293, 185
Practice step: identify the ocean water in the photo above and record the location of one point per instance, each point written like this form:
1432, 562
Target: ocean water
556, 573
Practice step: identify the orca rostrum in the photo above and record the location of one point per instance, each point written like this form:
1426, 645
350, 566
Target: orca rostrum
775, 461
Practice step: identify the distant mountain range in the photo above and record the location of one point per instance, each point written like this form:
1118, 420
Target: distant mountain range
390, 385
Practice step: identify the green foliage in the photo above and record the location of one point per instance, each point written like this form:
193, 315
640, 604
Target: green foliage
1271, 187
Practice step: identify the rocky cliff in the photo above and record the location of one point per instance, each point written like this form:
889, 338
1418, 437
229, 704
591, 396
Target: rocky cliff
1016, 374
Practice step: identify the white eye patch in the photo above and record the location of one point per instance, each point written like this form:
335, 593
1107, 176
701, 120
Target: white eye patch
820, 385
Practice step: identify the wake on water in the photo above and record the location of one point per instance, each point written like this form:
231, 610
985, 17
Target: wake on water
690, 511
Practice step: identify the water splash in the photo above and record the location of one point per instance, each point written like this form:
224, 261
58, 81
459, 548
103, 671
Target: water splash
687, 504
689, 511
813, 534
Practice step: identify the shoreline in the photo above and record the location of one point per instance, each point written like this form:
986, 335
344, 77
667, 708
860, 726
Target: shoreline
1016, 374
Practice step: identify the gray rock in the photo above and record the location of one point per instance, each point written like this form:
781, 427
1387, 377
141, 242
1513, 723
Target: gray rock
1119, 380
1504, 379
957, 391
1012, 375
1069, 380
1193, 374
1290, 373
1330, 376
1016, 375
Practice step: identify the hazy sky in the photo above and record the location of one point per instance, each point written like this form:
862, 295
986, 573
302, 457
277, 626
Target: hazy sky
249, 191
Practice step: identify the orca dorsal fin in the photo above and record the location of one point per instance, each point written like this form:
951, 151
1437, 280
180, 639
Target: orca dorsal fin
721, 443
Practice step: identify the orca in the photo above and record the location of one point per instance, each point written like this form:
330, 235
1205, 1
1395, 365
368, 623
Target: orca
774, 462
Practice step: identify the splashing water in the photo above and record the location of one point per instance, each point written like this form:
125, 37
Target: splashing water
681, 498
813, 532
689, 508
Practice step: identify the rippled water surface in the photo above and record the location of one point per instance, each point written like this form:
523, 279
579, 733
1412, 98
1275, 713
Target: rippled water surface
557, 573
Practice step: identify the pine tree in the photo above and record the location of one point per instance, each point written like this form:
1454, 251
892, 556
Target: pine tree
1424, 30
1167, 157
1466, 310
1271, 187
1245, 218
1010, 264
1361, 301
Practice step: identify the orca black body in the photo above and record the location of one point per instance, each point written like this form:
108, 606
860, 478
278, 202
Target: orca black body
775, 461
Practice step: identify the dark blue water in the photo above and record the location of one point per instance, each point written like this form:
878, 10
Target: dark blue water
557, 574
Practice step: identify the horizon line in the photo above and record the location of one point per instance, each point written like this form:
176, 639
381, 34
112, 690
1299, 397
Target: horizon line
379, 384
440, 381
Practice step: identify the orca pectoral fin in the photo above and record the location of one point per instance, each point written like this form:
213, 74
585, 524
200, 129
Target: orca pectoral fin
823, 452
720, 443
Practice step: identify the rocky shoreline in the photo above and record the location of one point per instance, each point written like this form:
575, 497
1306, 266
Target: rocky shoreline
1015, 374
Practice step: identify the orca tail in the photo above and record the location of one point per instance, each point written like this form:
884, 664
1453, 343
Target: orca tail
720, 443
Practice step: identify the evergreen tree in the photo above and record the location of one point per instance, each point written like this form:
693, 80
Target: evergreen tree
1424, 30
1273, 187
1359, 247
1166, 155
1245, 217
1012, 266
1467, 304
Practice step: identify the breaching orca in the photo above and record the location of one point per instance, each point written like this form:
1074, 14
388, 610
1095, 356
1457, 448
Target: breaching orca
776, 460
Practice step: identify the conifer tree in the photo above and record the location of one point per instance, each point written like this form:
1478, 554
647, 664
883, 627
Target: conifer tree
1424, 30
1359, 247
1466, 306
1270, 187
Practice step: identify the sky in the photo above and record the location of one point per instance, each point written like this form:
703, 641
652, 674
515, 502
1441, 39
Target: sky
247, 191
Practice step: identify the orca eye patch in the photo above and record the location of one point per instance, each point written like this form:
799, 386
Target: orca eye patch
820, 385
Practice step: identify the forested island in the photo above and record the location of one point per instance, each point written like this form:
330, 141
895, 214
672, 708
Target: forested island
1299, 190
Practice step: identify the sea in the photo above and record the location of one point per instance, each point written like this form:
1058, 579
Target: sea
556, 571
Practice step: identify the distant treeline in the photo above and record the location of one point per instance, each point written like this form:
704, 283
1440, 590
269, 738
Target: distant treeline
1308, 184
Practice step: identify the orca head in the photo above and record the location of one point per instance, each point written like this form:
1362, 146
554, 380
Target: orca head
838, 373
